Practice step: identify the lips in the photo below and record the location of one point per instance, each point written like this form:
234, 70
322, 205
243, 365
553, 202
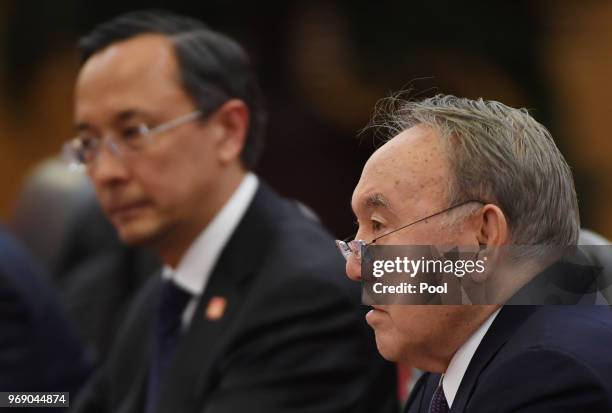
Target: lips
125, 210
373, 316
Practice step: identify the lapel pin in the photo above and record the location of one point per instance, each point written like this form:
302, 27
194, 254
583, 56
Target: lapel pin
216, 308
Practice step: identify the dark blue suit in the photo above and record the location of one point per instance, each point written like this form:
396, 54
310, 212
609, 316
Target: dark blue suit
38, 349
536, 359
292, 338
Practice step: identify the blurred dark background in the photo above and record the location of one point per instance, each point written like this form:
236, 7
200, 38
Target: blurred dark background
324, 64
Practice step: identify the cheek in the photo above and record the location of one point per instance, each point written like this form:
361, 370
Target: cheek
420, 235
161, 186
467, 234
436, 234
404, 318
395, 334
414, 325
172, 178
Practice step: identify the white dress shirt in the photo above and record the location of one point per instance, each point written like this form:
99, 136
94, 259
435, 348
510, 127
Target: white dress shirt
195, 267
460, 361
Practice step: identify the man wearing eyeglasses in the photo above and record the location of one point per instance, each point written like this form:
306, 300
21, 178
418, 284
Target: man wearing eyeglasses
252, 312
461, 172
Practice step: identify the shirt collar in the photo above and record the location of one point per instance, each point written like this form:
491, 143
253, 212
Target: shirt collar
460, 361
195, 266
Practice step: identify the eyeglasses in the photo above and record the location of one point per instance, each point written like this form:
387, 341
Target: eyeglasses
83, 150
354, 246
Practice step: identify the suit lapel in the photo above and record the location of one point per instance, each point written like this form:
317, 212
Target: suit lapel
509, 319
504, 325
512, 316
190, 373
134, 402
131, 358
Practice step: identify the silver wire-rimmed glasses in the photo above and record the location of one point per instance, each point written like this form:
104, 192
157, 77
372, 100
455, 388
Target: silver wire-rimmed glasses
82, 150
354, 247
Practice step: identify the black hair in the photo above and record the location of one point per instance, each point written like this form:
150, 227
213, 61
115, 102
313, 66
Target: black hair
213, 67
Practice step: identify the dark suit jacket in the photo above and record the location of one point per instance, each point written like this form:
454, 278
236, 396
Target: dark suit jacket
39, 351
535, 359
292, 339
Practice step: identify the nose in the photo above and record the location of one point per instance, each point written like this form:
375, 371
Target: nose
353, 268
107, 168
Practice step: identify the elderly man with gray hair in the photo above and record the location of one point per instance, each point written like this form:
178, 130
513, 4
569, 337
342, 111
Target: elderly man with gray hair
463, 172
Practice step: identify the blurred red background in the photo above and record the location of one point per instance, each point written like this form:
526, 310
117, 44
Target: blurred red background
324, 64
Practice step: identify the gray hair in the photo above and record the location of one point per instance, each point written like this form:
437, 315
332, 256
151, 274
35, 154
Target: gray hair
500, 155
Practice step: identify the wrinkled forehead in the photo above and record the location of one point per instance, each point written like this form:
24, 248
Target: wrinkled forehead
409, 167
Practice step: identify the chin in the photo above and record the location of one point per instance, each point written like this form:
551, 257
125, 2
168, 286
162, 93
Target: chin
135, 234
131, 239
387, 350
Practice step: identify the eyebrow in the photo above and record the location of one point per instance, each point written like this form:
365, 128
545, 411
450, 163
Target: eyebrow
81, 126
128, 114
376, 200
122, 116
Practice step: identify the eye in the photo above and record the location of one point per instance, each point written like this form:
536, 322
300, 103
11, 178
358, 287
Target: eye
88, 146
129, 133
376, 225
87, 142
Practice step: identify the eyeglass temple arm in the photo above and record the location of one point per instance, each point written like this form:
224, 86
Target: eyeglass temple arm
426, 218
176, 122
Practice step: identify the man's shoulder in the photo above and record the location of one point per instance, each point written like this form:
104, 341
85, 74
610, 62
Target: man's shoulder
16, 264
292, 219
556, 350
23, 279
542, 359
295, 243
34, 332
582, 330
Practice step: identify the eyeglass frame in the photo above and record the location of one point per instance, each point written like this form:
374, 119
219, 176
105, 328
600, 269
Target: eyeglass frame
348, 247
70, 148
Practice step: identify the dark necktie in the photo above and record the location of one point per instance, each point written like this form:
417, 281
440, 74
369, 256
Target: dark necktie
166, 334
438, 401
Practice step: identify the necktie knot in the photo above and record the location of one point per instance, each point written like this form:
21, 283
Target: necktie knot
173, 301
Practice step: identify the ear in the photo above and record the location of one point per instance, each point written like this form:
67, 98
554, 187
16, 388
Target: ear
231, 127
491, 232
493, 227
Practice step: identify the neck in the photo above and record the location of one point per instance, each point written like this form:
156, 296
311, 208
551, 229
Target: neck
463, 327
181, 236
511, 278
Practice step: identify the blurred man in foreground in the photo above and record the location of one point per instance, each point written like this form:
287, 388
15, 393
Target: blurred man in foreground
251, 312
478, 173
39, 350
